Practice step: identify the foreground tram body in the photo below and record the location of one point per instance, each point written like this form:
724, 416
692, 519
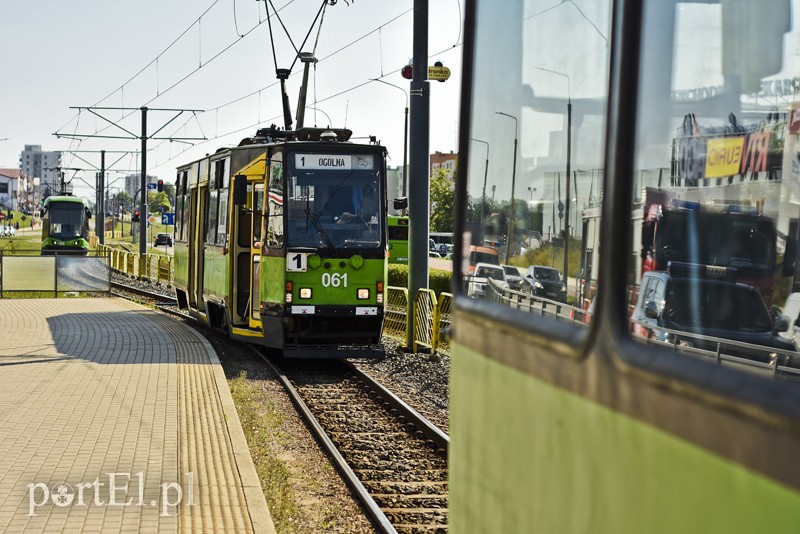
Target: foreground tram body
281, 241
562, 425
65, 225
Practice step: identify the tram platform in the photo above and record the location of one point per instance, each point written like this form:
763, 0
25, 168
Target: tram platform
116, 418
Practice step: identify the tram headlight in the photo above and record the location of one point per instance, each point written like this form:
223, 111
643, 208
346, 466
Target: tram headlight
288, 298
363, 293
305, 292
379, 298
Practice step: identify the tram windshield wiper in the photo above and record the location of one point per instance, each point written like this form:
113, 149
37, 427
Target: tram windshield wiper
311, 216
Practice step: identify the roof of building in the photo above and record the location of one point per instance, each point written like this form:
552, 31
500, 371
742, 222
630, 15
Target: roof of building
14, 174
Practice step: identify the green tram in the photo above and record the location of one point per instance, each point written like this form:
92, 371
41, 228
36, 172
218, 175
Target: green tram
397, 239
567, 426
65, 225
281, 241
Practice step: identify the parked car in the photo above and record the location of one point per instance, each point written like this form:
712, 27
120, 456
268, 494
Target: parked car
163, 239
706, 307
545, 282
477, 283
513, 277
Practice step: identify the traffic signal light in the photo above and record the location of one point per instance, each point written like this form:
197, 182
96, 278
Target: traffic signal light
160, 186
407, 72
135, 217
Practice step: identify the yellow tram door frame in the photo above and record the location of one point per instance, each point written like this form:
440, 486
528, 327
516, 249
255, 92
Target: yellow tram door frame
256, 202
249, 219
198, 244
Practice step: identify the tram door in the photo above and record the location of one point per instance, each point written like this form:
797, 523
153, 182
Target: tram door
196, 246
257, 221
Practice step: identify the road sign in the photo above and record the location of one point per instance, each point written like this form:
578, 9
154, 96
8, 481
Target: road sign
152, 186
151, 219
168, 218
438, 73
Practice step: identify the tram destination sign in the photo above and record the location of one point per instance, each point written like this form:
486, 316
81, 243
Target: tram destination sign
335, 162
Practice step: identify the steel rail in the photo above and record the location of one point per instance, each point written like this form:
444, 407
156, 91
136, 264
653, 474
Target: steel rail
377, 516
431, 431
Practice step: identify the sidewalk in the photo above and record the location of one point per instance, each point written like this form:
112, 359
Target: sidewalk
115, 418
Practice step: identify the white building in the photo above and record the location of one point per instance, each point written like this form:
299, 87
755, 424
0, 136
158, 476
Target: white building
9, 188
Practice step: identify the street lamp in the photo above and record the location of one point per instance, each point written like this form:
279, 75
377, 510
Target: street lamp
569, 148
485, 175
513, 181
531, 190
405, 137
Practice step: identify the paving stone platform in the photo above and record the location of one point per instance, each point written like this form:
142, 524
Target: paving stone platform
117, 418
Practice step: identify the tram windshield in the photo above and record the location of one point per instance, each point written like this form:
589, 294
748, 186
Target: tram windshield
335, 203
67, 220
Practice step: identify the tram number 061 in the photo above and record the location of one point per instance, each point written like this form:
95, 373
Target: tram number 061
334, 280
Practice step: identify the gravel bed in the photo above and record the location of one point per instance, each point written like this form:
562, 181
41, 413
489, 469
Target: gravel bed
420, 380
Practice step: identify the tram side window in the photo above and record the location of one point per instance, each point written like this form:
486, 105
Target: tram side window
275, 198
211, 233
181, 205
534, 173
222, 186
713, 195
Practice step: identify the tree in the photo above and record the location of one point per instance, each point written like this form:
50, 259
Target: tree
442, 201
156, 200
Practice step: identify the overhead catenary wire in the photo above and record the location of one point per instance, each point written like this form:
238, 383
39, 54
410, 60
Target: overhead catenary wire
239, 36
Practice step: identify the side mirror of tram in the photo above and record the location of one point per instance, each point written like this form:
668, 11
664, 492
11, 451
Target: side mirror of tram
240, 190
401, 203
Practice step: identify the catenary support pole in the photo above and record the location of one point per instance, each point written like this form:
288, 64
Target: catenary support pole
419, 186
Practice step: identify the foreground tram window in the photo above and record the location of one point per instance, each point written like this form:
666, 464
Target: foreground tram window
536, 151
715, 214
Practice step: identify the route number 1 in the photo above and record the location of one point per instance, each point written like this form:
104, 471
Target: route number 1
297, 262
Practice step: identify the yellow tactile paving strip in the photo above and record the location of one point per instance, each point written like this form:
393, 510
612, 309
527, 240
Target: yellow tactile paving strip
95, 392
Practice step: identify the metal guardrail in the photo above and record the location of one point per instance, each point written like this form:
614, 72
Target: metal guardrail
780, 361
155, 267
395, 312
431, 318
424, 307
532, 304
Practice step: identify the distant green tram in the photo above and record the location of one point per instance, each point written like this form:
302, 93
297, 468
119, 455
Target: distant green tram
281, 241
397, 232
65, 225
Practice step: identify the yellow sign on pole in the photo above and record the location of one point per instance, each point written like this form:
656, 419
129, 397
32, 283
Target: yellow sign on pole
438, 73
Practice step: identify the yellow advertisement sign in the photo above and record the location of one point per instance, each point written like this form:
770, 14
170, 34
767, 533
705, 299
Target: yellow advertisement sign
724, 156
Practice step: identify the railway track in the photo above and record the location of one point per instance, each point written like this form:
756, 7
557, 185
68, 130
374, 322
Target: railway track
393, 459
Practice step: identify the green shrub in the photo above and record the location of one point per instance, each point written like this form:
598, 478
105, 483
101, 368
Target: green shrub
438, 280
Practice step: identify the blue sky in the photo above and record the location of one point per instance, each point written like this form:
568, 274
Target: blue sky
188, 54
